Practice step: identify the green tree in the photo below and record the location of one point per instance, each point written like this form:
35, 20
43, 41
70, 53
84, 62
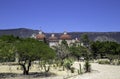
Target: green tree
64, 42
95, 49
118, 51
7, 47
6, 52
85, 40
62, 51
30, 50
106, 48
75, 51
80, 51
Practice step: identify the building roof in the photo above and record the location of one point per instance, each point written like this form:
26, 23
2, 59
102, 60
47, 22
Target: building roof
65, 36
53, 38
40, 36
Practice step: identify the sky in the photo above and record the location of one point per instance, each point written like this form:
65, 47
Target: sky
61, 15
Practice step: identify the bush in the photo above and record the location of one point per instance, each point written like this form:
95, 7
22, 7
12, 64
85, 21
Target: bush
68, 63
87, 66
72, 69
104, 62
118, 63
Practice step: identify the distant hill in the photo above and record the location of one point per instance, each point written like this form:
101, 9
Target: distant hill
101, 36
21, 32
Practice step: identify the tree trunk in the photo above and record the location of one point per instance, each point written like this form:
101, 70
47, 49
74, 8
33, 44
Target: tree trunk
25, 72
46, 68
26, 68
78, 58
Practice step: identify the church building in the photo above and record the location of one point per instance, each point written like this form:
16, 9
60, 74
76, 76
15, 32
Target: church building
54, 40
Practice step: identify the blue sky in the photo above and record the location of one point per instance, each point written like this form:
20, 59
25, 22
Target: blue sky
61, 15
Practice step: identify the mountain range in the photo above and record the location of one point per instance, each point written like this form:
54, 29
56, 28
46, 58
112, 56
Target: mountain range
101, 36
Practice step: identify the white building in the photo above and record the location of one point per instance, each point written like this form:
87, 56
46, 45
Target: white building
54, 41
40, 36
66, 37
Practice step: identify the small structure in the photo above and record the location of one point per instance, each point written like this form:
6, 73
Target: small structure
65, 37
53, 40
40, 36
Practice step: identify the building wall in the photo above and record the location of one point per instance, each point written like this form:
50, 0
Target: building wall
53, 43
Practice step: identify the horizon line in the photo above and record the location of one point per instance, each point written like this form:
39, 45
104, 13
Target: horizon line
54, 31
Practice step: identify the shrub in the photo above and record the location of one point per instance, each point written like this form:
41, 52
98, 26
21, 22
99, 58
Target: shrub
87, 66
68, 63
118, 63
72, 69
104, 62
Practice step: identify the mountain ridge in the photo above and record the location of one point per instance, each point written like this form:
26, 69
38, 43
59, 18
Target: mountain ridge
25, 32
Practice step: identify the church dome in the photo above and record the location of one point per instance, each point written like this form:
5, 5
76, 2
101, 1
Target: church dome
40, 36
65, 36
53, 38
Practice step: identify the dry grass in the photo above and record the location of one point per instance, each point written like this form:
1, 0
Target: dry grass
98, 72
101, 72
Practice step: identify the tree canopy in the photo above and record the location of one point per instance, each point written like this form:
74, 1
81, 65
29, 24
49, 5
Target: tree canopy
28, 50
105, 48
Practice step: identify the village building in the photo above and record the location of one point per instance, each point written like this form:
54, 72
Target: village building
40, 36
66, 37
54, 40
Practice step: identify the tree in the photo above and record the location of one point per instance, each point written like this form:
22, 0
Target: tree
85, 40
118, 51
76, 51
96, 49
62, 51
64, 42
106, 48
6, 52
30, 50
7, 47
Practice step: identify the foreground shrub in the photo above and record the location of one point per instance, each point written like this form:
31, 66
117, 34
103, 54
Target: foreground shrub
72, 69
68, 63
104, 62
87, 66
118, 62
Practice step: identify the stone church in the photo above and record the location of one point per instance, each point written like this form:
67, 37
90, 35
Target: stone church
54, 41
